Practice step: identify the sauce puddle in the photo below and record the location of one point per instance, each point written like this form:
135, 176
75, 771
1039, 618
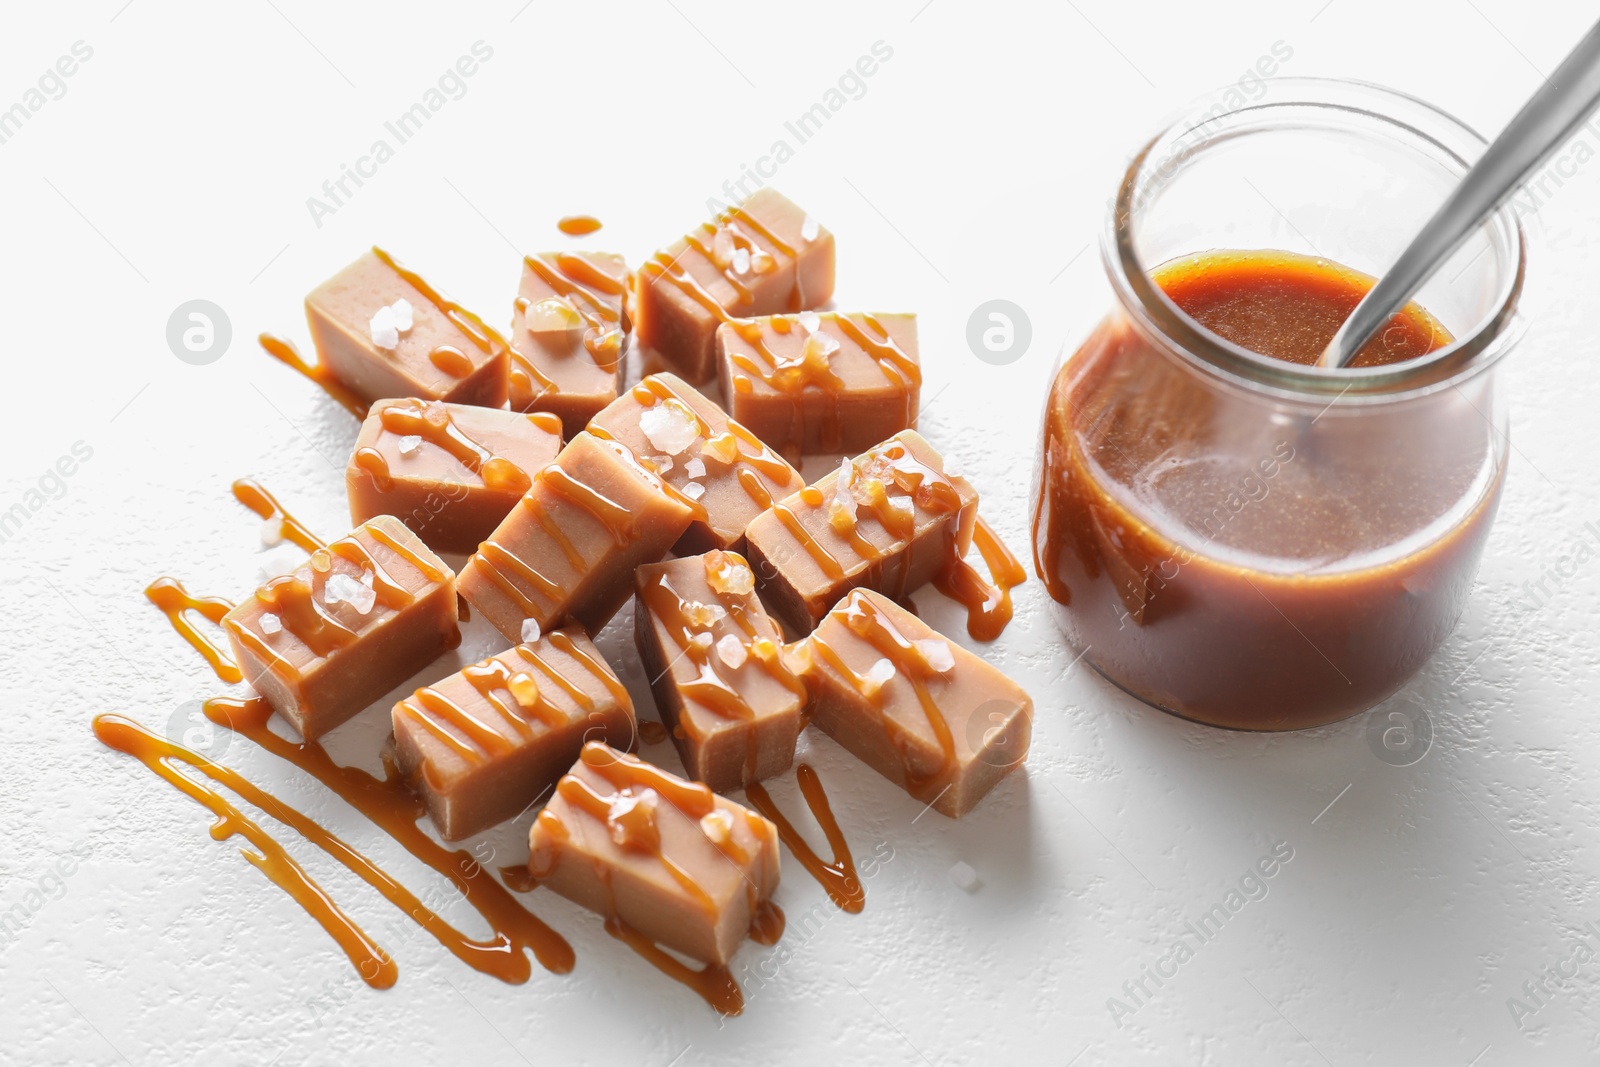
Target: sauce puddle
578, 225
837, 878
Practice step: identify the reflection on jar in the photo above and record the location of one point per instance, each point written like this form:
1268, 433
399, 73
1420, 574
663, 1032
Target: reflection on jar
1228, 533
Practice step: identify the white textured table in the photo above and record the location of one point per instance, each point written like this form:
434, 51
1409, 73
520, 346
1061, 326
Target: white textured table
175, 163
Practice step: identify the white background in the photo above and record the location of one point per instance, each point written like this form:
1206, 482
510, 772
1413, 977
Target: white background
976, 165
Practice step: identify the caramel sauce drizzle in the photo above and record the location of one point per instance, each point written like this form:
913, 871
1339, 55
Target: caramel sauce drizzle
838, 877
632, 823
299, 602
864, 619
318, 373
792, 376
499, 565
710, 688
988, 604
253, 495
451, 360
435, 425
892, 486
158, 754
497, 683
175, 603
651, 732
480, 333
391, 806
576, 281
755, 464
578, 225
733, 222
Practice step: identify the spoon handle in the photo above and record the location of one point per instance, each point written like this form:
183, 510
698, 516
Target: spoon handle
1543, 125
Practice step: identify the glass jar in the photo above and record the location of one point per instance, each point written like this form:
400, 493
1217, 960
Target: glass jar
1249, 542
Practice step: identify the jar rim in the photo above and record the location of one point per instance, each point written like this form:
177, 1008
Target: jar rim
1466, 356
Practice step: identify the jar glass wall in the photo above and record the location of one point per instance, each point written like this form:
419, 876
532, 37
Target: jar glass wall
1246, 541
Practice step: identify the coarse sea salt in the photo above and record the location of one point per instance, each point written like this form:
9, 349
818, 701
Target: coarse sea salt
271, 624
409, 443
741, 261
530, 631
389, 322
809, 229
668, 428
343, 588
695, 468
694, 490
810, 321
965, 878
935, 652
731, 651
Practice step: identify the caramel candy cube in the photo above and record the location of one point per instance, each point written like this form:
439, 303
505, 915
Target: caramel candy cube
324, 641
821, 381
762, 257
714, 658
486, 743
890, 520
917, 708
450, 472
723, 472
662, 859
568, 550
568, 335
382, 331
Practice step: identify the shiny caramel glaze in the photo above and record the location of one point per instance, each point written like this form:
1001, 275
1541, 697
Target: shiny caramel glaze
517, 697
298, 602
285, 352
576, 281
838, 876
175, 603
253, 495
812, 368
578, 225
158, 754
628, 817
651, 732
1254, 625
891, 485
988, 603
391, 806
758, 467
433, 423
480, 333
864, 619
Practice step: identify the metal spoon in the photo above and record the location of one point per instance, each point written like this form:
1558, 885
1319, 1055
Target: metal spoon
1543, 125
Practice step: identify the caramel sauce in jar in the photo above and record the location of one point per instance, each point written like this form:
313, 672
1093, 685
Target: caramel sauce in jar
1254, 560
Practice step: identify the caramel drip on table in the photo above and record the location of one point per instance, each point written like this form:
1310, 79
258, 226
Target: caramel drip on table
435, 425
372, 963
253, 495
285, 352
518, 878
651, 732
768, 923
864, 619
480, 333
988, 605
390, 805
575, 280
175, 603
715, 985
578, 225
838, 877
